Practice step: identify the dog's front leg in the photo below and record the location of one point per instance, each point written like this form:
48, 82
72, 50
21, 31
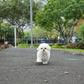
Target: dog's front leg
45, 62
38, 59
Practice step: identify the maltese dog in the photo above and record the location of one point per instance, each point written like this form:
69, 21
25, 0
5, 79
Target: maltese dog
43, 53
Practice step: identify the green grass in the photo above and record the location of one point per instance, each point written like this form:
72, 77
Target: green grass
27, 45
64, 48
23, 45
79, 50
52, 46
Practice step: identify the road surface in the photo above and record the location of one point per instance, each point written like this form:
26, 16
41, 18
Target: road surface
17, 66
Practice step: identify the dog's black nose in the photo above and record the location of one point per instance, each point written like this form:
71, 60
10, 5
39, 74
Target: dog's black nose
43, 49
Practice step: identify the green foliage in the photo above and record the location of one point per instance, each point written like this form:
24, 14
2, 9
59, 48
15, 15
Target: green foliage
52, 13
27, 34
7, 30
51, 16
1, 22
39, 32
81, 32
15, 10
81, 40
17, 14
36, 45
75, 10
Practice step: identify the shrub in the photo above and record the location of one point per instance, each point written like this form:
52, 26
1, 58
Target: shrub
51, 45
36, 45
81, 40
58, 44
78, 45
70, 45
2, 46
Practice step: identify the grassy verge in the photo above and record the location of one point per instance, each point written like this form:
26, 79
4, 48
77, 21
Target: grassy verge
64, 48
27, 45
52, 46
78, 50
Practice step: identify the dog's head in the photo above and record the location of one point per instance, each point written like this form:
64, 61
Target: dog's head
44, 47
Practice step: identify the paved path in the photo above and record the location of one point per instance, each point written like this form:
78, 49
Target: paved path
17, 66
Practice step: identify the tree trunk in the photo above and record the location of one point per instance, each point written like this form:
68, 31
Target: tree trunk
4, 38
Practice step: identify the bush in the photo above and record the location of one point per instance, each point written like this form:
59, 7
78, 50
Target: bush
81, 40
50, 45
58, 44
36, 45
78, 45
3, 46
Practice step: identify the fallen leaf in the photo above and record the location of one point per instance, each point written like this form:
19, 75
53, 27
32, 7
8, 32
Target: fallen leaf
66, 72
45, 80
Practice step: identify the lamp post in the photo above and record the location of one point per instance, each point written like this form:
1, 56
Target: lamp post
15, 35
31, 24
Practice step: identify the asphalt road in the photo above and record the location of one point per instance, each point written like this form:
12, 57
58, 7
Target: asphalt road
17, 66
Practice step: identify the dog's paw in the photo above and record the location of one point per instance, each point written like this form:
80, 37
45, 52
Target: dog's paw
45, 62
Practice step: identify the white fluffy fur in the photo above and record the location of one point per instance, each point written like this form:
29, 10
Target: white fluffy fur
43, 53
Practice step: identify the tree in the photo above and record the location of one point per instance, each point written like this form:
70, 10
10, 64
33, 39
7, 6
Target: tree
0, 28
6, 32
17, 13
40, 33
61, 15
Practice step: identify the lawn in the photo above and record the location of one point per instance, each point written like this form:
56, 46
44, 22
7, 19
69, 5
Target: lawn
68, 49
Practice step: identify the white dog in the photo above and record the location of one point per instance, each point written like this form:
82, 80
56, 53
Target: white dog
43, 53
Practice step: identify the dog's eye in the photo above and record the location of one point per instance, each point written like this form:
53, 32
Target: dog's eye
41, 48
45, 48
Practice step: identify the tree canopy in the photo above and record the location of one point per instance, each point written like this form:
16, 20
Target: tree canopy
61, 15
17, 12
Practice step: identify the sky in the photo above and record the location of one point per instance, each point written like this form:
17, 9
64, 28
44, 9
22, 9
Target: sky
43, 1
